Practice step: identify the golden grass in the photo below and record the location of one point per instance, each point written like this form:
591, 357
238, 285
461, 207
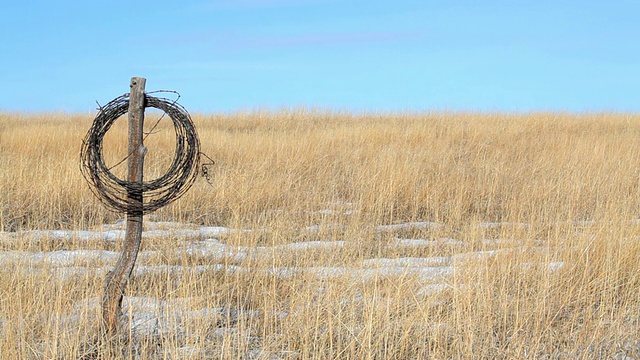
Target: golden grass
564, 187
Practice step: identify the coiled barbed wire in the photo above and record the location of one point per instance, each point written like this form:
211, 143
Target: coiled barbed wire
114, 192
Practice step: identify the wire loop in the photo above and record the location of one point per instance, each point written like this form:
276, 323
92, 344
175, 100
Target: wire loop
112, 191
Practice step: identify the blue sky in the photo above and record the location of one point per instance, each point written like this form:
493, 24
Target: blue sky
225, 56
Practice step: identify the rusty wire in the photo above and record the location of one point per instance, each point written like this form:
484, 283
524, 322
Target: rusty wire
115, 193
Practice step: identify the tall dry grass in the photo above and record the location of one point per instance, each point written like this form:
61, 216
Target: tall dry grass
565, 185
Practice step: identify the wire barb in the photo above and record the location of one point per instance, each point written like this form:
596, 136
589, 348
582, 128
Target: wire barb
204, 169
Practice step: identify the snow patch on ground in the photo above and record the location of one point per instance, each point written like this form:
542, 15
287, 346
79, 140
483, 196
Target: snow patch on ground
432, 275
494, 225
407, 262
59, 258
115, 232
417, 243
408, 225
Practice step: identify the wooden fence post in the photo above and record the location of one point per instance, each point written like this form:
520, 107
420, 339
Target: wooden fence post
116, 280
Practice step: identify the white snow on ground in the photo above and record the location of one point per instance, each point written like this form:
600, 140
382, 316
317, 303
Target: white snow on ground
153, 316
407, 262
417, 243
317, 228
58, 258
473, 256
433, 275
555, 265
502, 224
430, 274
202, 241
332, 211
311, 245
116, 231
79, 235
502, 242
214, 249
409, 225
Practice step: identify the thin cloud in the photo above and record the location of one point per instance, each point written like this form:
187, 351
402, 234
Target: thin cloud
327, 39
260, 4
235, 41
216, 66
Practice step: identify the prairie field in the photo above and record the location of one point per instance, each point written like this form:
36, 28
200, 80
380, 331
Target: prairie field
334, 235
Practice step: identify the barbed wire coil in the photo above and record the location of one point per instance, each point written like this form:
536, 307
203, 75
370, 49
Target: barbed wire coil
181, 174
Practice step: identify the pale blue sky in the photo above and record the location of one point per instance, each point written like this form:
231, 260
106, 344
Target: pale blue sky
225, 55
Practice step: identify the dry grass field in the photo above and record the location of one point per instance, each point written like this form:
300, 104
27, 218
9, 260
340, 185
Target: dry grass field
329, 235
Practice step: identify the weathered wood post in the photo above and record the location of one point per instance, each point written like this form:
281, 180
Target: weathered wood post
116, 280
133, 196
